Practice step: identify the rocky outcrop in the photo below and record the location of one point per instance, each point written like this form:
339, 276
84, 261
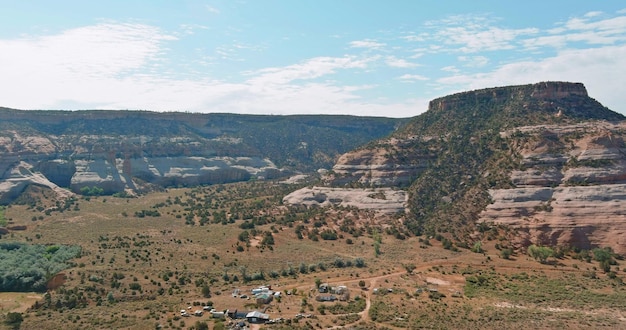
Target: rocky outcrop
572, 190
387, 164
21, 176
134, 150
122, 175
169, 171
116, 164
384, 200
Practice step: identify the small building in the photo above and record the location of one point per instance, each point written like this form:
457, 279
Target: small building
324, 287
218, 315
261, 289
237, 314
340, 289
257, 317
263, 298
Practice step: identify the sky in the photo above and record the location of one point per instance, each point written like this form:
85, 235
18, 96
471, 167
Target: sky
278, 57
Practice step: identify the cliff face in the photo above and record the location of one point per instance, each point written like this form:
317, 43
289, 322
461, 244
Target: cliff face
136, 150
546, 91
92, 161
545, 159
387, 164
570, 189
466, 118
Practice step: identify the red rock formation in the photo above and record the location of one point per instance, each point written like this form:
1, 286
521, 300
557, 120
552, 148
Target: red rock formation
573, 190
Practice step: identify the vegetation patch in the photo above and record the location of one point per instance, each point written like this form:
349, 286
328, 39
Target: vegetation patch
25, 267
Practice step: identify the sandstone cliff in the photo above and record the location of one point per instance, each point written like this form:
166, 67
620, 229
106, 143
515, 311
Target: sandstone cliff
130, 151
545, 159
570, 189
90, 161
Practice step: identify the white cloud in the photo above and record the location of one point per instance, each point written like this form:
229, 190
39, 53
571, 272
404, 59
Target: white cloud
416, 37
593, 14
105, 49
472, 33
310, 69
412, 77
608, 31
474, 61
117, 66
371, 44
490, 39
450, 68
40, 71
614, 25
399, 63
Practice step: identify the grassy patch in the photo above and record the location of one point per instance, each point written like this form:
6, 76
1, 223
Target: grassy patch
571, 291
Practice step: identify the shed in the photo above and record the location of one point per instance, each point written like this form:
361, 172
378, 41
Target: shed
263, 298
257, 317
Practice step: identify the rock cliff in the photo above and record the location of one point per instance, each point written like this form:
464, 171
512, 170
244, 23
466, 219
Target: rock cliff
545, 159
130, 151
570, 189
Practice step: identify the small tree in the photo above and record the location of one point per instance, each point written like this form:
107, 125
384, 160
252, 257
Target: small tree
303, 268
506, 253
605, 257
478, 247
14, 320
206, 291
541, 253
201, 325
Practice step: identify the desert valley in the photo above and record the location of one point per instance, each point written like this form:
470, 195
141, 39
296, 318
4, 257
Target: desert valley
496, 208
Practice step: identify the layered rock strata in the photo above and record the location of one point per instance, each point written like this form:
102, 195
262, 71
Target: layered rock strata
572, 188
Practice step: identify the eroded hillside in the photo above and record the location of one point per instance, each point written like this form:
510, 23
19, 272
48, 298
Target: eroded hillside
545, 158
110, 152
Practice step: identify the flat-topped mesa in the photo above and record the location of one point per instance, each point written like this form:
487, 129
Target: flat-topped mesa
558, 90
550, 90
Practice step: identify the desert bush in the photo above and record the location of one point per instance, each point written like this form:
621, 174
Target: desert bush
541, 253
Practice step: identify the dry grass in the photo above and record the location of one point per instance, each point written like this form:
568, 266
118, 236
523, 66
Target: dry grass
18, 301
168, 258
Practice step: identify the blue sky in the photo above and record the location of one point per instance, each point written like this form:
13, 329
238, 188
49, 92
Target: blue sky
359, 57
